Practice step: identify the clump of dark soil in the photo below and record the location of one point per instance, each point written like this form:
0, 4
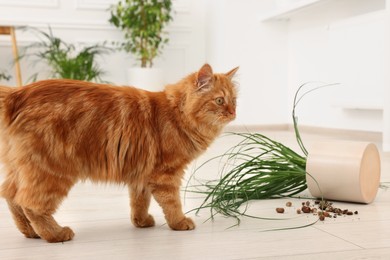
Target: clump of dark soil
321, 208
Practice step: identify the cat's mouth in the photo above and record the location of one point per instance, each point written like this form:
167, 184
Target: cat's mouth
231, 115
226, 118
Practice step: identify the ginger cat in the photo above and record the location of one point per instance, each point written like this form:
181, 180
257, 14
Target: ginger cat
55, 133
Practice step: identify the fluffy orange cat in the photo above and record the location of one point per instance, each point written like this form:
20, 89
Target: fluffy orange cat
55, 133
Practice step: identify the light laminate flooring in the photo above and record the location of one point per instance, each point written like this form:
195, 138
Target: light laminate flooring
99, 215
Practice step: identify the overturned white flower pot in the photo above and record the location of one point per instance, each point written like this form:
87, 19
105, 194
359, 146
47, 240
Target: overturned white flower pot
343, 171
151, 79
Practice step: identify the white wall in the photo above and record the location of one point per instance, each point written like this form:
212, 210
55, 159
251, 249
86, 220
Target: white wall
332, 41
236, 37
86, 22
344, 42
329, 41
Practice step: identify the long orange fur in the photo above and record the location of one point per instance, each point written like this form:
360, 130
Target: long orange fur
55, 133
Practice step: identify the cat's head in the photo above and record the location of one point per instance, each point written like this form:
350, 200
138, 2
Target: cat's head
210, 99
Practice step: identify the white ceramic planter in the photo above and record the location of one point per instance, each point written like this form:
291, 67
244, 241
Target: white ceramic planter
343, 171
151, 79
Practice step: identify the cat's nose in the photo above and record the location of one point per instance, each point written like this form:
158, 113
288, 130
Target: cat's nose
231, 110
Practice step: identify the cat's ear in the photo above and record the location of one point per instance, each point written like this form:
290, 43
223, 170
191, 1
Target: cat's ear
231, 73
204, 80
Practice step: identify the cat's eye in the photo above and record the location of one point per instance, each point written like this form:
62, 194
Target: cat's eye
219, 101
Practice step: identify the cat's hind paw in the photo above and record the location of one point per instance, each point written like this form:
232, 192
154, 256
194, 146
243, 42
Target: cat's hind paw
185, 224
143, 222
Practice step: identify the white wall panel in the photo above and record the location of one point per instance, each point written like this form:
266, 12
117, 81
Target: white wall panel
30, 3
93, 4
182, 6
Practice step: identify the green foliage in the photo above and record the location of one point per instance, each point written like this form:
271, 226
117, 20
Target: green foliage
256, 168
64, 59
297, 98
142, 22
4, 75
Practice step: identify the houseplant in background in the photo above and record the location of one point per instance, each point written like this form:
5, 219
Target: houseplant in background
65, 60
4, 75
143, 23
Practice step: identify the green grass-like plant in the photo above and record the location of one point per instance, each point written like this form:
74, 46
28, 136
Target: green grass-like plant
64, 59
254, 169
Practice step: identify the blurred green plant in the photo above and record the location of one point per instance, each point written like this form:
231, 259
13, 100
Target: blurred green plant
142, 22
65, 60
4, 76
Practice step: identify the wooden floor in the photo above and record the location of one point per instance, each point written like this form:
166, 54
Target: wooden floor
99, 215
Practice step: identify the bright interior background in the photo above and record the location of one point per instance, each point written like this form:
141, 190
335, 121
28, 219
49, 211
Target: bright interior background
278, 44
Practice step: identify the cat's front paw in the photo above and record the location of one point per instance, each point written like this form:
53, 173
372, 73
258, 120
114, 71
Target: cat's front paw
185, 224
143, 222
65, 234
